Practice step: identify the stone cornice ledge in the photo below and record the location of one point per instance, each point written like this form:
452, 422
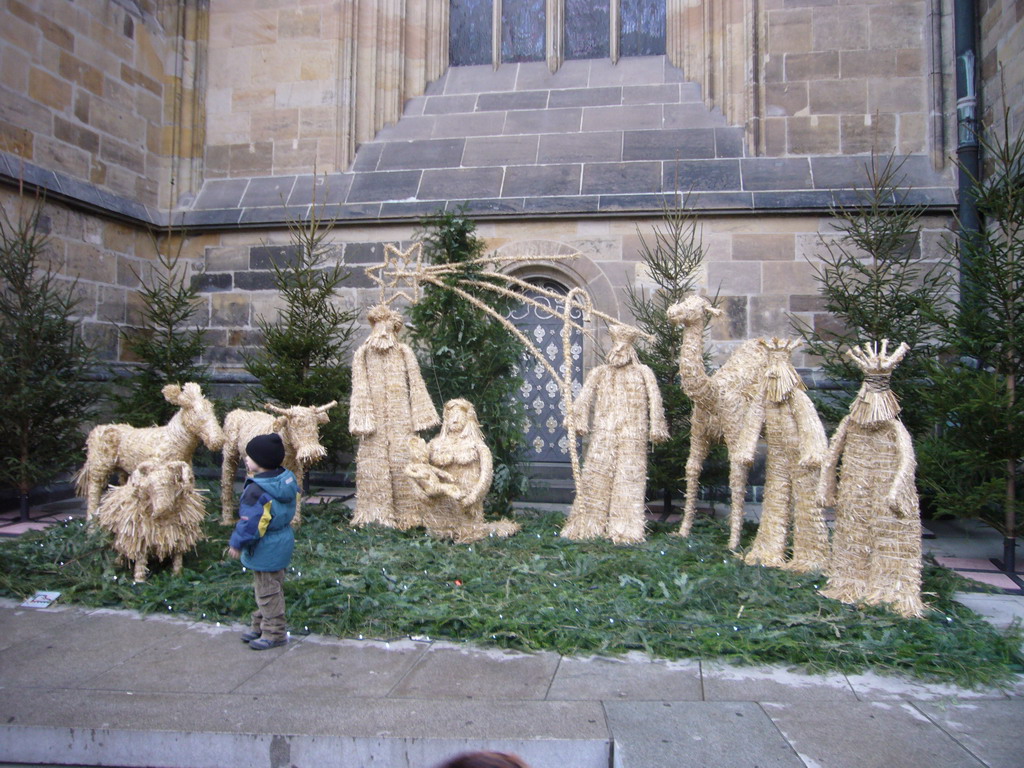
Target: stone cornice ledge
762, 186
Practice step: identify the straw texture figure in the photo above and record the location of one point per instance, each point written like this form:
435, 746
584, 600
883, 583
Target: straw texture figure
454, 474
299, 427
720, 404
157, 513
876, 549
797, 447
627, 412
123, 447
389, 405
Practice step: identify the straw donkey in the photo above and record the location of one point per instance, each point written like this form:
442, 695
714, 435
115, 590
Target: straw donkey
157, 513
720, 403
122, 447
299, 427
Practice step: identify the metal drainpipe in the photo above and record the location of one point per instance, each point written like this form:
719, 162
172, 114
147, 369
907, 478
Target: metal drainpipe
965, 30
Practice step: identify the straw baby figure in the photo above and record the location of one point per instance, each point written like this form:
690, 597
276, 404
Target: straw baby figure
627, 412
157, 513
876, 549
796, 447
454, 473
389, 405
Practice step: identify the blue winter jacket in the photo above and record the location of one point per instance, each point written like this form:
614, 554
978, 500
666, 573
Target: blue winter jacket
264, 533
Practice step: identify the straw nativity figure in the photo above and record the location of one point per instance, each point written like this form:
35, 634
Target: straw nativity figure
389, 405
627, 412
122, 447
720, 404
157, 513
876, 548
796, 447
454, 473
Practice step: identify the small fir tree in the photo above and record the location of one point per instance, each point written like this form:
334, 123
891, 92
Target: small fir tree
974, 464
304, 359
464, 353
875, 285
44, 395
674, 259
166, 343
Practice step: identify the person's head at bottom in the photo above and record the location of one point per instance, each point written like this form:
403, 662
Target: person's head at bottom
484, 760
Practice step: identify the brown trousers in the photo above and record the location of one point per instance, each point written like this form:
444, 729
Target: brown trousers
268, 618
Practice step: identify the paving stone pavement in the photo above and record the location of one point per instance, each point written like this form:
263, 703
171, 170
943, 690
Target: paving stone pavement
108, 687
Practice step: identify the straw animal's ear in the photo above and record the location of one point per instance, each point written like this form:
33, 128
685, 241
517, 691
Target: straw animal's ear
192, 392
184, 474
172, 394
280, 423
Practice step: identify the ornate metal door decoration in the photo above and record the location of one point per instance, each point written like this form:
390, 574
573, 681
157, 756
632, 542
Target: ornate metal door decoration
540, 319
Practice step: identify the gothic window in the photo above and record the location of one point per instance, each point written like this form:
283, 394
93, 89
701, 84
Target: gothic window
581, 29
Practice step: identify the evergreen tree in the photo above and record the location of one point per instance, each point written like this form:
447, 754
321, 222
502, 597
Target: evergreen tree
673, 260
44, 395
304, 359
874, 284
166, 344
465, 353
974, 465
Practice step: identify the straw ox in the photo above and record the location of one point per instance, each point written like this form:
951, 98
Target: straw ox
157, 513
122, 447
299, 427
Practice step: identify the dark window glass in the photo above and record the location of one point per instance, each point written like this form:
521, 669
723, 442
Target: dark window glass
642, 27
469, 37
586, 29
522, 30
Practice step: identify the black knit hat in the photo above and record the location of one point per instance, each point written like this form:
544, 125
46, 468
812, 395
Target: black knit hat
266, 450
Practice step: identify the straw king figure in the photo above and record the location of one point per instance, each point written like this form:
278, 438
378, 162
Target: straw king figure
389, 405
627, 412
876, 549
720, 404
454, 472
796, 448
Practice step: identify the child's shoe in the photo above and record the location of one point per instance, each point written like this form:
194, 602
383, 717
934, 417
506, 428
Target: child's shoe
261, 643
251, 635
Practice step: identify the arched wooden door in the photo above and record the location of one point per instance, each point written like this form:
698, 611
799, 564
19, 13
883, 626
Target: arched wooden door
546, 437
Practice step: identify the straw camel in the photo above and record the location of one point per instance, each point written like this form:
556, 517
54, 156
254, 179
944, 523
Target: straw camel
720, 404
157, 513
122, 447
299, 427
876, 549
796, 448
454, 472
389, 405
627, 412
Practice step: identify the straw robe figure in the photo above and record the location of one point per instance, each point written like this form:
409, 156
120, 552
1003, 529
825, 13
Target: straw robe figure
876, 548
796, 448
627, 412
389, 405
454, 473
720, 404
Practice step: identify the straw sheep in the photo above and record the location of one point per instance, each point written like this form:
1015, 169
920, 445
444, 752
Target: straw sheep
157, 513
299, 427
122, 447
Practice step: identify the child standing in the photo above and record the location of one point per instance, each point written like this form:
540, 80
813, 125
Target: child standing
263, 537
